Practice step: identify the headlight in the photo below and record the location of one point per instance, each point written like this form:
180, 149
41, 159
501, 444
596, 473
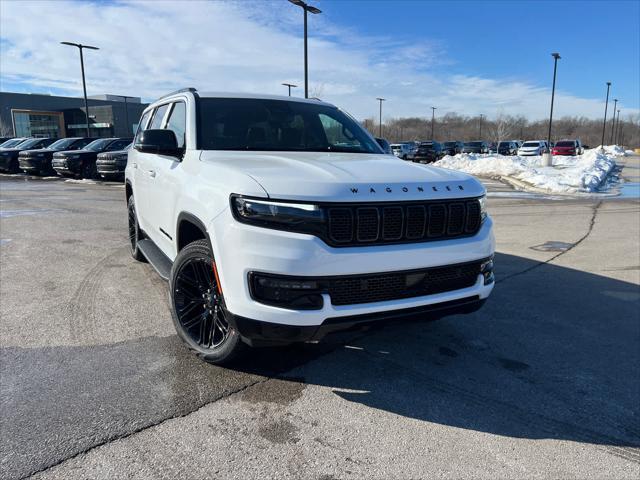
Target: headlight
483, 207
294, 217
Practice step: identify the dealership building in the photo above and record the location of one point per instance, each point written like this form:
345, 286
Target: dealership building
38, 115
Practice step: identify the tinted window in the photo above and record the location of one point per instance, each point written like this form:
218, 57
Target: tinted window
531, 144
98, 145
565, 144
31, 143
81, 143
143, 122
474, 144
12, 143
264, 124
178, 122
62, 143
158, 116
119, 144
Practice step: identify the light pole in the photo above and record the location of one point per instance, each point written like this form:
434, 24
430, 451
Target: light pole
618, 129
433, 119
290, 85
556, 57
126, 111
380, 124
84, 85
312, 9
480, 134
604, 124
613, 123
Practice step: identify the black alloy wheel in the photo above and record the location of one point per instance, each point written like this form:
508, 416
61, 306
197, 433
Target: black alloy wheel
135, 234
198, 306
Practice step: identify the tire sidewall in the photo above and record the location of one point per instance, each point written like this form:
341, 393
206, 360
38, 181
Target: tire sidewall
135, 251
228, 350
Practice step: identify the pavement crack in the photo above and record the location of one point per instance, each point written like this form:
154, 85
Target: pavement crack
592, 222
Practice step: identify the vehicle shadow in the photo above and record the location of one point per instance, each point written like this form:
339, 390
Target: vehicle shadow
553, 354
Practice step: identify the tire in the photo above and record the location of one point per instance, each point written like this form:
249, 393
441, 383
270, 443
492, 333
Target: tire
198, 309
135, 234
89, 170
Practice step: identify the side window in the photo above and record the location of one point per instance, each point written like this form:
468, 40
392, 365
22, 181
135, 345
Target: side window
81, 143
178, 122
336, 133
143, 122
156, 122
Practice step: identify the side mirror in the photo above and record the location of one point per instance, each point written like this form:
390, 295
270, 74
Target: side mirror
160, 141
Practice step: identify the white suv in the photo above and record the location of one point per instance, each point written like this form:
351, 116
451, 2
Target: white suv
277, 220
532, 147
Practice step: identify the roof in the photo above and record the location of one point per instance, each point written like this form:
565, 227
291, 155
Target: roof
261, 96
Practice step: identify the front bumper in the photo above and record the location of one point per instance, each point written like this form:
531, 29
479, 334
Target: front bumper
258, 333
6, 161
66, 167
111, 168
241, 249
34, 164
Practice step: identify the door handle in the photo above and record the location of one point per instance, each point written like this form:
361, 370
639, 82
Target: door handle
152, 173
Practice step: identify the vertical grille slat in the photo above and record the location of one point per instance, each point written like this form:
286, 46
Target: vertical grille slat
356, 224
341, 225
368, 224
392, 223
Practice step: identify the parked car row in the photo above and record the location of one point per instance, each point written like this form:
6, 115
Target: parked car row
77, 157
430, 151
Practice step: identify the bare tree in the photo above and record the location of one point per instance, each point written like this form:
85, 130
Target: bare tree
5, 129
500, 128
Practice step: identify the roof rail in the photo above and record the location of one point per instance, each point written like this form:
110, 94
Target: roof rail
188, 89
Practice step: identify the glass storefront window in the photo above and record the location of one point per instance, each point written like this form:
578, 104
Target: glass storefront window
36, 124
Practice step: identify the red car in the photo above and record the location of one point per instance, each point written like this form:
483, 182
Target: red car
568, 147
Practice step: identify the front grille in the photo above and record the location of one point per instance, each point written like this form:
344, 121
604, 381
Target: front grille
353, 289
363, 224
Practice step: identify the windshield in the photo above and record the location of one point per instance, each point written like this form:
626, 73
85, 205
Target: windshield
280, 125
449, 144
62, 143
531, 144
504, 144
98, 145
12, 142
473, 144
565, 144
30, 143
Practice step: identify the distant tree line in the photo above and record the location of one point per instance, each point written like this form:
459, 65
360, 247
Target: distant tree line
453, 126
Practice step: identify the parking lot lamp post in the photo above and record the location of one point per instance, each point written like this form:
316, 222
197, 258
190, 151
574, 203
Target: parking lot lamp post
380, 118
84, 85
613, 123
312, 9
433, 119
289, 85
556, 57
480, 134
618, 129
604, 124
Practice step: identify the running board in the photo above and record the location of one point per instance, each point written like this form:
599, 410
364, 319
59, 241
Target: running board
158, 260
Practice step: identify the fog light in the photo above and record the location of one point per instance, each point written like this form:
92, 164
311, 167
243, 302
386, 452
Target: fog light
486, 269
287, 292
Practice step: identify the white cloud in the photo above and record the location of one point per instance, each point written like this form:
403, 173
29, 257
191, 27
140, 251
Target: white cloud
150, 48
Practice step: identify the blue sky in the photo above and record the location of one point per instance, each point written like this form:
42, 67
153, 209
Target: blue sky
464, 57
598, 41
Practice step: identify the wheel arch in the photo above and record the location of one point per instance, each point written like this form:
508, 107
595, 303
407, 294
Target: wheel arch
190, 228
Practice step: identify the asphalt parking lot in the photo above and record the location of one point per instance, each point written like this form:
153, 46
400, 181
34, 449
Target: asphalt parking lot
544, 380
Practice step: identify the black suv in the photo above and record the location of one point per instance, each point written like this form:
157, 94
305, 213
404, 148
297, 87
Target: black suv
507, 148
476, 147
111, 165
451, 148
9, 155
38, 162
428, 152
82, 163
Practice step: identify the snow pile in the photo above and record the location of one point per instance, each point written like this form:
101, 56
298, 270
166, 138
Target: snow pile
570, 174
611, 150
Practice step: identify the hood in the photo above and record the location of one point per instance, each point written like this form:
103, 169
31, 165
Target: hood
340, 177
114, 154
37, 151
67, 153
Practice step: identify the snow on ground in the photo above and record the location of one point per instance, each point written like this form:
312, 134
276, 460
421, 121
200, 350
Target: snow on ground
569, 174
